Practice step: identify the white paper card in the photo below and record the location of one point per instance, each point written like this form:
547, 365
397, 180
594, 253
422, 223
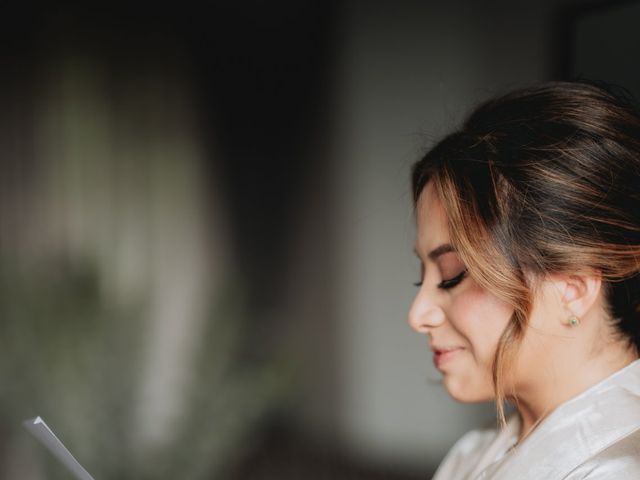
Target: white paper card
45, 435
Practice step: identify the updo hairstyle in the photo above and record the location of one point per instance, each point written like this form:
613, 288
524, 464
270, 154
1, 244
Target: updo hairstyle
544, 180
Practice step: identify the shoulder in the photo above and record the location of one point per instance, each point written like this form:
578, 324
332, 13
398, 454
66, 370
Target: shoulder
465, 454
619, 460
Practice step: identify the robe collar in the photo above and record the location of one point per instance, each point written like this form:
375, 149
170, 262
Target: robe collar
575, 431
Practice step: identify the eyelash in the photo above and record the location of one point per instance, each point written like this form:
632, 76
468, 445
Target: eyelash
448, 284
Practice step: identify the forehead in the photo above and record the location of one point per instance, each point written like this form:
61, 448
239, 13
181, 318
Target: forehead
432, 227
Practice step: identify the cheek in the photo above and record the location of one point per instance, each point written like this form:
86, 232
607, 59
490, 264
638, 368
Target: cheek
480, 318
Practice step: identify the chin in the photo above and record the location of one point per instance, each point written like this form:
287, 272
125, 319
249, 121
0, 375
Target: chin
466, 392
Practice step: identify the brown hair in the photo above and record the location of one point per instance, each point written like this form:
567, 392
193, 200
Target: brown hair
544, 180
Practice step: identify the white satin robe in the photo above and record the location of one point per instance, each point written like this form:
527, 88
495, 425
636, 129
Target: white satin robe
593, 436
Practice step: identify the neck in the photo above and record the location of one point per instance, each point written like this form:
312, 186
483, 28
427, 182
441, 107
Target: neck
561, 383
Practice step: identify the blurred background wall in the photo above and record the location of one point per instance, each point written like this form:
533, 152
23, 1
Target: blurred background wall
206, 227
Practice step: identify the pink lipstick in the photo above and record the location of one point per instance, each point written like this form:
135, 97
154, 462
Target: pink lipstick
444, 355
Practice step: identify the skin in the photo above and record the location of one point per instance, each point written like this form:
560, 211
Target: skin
555, 362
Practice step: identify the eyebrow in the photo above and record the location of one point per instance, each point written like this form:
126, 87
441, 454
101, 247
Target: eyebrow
438, 251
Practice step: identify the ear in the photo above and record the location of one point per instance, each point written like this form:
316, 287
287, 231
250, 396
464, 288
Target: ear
578, 293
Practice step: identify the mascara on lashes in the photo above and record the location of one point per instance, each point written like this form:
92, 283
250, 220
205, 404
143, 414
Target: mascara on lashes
449, 283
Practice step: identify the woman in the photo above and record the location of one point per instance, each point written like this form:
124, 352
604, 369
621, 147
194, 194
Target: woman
528, 233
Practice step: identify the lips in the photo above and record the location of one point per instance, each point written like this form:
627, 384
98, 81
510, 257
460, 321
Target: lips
443, 355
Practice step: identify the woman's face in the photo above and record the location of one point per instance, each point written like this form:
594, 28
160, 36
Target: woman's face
463, 321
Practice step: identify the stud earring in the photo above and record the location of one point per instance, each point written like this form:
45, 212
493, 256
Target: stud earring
573, 321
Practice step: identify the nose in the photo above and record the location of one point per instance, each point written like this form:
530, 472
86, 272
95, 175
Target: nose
425, 314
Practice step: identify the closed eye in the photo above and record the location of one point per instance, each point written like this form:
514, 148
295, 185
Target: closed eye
419, 284
452, 282
449, 283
